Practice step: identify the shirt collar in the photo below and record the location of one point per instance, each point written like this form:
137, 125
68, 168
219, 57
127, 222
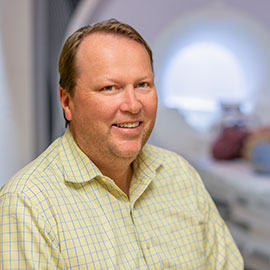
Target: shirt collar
145, 168
78, 168
148, 161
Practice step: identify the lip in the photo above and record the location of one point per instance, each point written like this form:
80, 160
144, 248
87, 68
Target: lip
128, 132
128, 124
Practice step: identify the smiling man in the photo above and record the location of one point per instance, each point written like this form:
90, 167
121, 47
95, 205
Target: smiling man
99, 197
113, 108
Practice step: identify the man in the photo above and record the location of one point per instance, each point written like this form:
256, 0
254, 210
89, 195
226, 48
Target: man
98, 197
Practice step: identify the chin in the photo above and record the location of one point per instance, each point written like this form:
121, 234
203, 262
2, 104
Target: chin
128, 151
129, 154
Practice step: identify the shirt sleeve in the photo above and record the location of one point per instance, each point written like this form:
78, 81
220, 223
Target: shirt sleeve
221, 250
26, 240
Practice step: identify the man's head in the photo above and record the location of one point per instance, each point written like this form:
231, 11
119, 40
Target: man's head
67, 61
111, 104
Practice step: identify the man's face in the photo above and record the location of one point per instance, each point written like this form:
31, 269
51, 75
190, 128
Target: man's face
113, 110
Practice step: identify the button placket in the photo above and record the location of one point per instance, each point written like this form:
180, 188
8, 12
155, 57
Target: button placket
145, 243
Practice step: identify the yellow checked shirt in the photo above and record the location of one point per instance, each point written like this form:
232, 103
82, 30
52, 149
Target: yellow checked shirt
60, 212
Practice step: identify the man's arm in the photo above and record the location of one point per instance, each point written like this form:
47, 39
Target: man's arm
26, 240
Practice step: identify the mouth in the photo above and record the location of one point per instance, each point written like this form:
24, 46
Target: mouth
128, 125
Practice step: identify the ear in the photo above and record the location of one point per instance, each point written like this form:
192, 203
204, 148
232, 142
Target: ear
66, 101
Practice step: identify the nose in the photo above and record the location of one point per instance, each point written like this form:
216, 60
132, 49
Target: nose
130, 102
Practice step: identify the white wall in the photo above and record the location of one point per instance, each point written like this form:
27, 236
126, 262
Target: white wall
16, 91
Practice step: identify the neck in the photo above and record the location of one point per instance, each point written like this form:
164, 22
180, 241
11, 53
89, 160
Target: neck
120, 170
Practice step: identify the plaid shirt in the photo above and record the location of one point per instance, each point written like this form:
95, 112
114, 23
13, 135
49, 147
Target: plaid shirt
60, 212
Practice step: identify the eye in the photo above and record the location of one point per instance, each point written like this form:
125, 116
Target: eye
108, 88
143, 85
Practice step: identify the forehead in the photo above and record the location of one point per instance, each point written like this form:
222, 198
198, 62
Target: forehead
96, 44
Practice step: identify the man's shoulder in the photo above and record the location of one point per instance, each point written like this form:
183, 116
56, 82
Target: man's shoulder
34, 173
172, 162
172, 168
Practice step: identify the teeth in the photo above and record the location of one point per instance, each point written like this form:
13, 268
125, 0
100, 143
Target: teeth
128, 125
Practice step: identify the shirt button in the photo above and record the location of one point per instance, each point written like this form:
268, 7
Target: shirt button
148, 245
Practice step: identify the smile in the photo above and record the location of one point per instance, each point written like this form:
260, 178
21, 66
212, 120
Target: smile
128, 125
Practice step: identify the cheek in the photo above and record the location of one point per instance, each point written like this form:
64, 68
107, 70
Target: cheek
98, 111
151, 106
